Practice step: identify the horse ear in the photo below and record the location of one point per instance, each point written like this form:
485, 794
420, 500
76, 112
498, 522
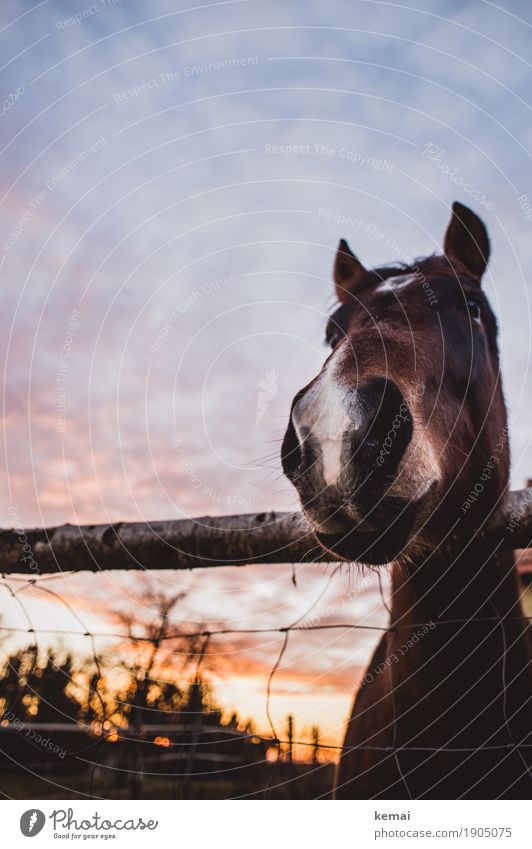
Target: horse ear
466, 241
347, 272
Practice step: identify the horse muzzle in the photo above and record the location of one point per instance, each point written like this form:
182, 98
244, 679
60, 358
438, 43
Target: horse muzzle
343, 452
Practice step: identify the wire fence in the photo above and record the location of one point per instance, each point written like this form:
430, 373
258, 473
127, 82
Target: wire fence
187, 747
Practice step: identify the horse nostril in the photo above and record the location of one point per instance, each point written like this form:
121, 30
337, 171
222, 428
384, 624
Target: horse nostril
386, 429
297, 454
291, 452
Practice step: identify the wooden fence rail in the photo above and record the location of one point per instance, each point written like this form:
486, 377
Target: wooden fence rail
207, 541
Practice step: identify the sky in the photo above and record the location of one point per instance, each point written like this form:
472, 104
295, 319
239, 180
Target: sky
174, 184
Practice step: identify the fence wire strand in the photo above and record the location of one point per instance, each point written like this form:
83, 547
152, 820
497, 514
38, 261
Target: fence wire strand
188, 751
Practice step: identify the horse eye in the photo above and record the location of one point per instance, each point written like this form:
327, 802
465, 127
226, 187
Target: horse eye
474, 308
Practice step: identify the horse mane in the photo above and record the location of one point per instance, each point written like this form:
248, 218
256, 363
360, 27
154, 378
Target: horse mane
426, 267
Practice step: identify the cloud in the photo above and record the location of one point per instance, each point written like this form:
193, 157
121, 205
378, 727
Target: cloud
138, 197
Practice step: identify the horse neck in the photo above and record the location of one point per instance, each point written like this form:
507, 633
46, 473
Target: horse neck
461, 622
471, 586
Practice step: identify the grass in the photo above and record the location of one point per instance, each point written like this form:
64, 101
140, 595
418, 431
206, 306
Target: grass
284, 785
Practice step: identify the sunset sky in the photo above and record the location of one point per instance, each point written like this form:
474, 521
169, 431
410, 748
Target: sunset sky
174, 185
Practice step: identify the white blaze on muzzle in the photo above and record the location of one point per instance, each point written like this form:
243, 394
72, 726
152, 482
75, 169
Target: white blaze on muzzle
326, 413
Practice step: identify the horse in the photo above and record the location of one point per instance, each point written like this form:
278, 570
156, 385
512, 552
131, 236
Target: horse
398, 450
